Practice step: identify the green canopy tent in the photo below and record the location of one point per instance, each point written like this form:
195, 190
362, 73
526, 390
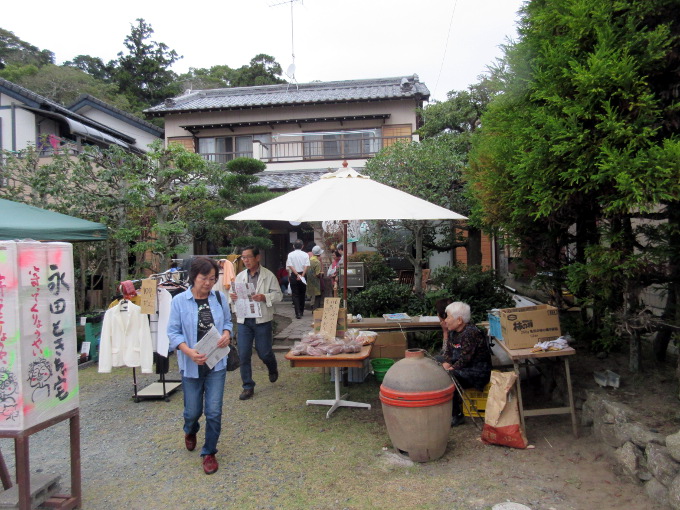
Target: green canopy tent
21, 221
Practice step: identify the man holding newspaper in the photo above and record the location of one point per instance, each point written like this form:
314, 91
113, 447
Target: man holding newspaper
254, 293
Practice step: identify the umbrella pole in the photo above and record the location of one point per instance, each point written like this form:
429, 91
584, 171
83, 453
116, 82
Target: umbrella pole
344, 261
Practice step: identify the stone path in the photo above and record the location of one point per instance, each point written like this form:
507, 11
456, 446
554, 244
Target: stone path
284, 339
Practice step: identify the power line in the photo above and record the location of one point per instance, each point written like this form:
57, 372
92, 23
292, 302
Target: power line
446, 46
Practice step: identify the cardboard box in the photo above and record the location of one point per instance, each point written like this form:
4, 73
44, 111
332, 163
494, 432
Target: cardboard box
390, 344
525, 327
342, 321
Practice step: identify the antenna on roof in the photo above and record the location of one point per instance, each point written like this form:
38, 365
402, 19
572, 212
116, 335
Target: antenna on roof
290, 71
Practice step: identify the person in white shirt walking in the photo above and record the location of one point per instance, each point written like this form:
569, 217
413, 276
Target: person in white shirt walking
298, 265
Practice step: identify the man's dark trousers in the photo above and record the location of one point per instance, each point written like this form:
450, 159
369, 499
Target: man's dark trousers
298, 289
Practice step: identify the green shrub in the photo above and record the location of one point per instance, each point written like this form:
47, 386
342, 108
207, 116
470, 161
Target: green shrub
377, 270
390, 297
596, 338
246, 166
482, 290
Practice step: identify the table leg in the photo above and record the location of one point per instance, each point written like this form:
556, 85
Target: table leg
4, 474
338, 402
74, 429
571, 397
23, 472
519, 393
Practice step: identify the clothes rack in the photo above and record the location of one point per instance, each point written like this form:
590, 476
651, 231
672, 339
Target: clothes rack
163, 388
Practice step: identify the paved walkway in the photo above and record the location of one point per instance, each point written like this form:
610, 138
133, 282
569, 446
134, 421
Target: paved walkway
297, 327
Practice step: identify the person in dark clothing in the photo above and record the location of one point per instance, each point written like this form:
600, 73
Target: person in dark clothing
467, 354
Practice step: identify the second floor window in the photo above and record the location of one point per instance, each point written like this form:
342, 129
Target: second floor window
226, 148
341, 144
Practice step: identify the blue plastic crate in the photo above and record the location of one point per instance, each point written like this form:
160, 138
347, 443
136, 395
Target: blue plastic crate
495, 326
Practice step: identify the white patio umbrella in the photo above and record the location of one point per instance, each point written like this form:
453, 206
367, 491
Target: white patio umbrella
346, 195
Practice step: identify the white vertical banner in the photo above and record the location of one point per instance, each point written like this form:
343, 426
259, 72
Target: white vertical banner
43, 362
11, 401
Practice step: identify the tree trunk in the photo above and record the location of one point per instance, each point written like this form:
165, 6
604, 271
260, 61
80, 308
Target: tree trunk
81, 253
418, 262
635, 358
631, 298
474, 251
673, 295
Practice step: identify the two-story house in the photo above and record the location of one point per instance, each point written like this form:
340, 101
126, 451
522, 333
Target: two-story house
27, 118
299, 130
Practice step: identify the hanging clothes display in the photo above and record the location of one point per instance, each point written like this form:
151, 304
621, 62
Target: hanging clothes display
165, 291
164, 301
125, 339
228, 274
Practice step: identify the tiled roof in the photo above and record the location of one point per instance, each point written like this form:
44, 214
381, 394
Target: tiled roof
42, 103
86, 99
287, 180
379, 89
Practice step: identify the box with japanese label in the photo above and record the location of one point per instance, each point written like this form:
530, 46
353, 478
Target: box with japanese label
525, 327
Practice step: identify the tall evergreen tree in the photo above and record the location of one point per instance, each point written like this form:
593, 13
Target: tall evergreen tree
143, 73
580, 151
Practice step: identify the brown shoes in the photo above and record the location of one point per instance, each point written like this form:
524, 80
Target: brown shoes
210, 464
246, 394
190, 441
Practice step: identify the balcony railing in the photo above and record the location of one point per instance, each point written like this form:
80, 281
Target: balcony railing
299, 150
225, 157
345, 148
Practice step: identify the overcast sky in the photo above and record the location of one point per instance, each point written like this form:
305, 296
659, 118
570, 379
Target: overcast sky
448, 43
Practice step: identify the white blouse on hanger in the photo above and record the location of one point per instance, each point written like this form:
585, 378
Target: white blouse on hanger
125, 339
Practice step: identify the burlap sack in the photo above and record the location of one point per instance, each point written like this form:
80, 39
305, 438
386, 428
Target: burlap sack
501, 419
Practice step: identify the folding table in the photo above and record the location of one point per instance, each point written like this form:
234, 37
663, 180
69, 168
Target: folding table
523, 355
353, 360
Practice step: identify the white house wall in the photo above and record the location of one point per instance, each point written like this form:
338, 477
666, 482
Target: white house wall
142, 138
18, 125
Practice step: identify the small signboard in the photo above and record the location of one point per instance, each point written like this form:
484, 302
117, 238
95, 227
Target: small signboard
148, 294
329, 321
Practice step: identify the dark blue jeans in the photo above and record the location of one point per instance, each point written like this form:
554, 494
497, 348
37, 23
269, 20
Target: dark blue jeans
209, 386
261, 336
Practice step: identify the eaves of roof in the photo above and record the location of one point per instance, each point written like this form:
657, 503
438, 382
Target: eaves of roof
287, 180
88, 100
41, 103
271, 96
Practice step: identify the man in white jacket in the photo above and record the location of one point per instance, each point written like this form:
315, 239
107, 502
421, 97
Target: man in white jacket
257, 330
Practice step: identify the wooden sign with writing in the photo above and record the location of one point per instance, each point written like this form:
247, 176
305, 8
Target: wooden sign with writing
329, 322
148, 294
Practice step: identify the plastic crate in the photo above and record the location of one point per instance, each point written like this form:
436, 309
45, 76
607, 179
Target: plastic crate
355, 375
495, 326
476, 400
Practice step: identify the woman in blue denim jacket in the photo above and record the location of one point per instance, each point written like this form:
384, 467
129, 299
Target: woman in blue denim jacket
192, 315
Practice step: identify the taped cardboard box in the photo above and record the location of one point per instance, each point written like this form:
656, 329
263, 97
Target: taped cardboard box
390, 344
525, 327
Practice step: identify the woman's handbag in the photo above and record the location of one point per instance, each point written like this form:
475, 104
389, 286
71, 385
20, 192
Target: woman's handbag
233, 361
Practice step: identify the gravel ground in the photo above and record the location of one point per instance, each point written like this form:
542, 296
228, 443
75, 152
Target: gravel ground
275, 452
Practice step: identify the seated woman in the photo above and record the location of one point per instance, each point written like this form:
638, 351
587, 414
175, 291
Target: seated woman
467, 355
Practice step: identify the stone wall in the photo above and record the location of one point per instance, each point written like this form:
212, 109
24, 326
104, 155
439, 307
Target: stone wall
643, 455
